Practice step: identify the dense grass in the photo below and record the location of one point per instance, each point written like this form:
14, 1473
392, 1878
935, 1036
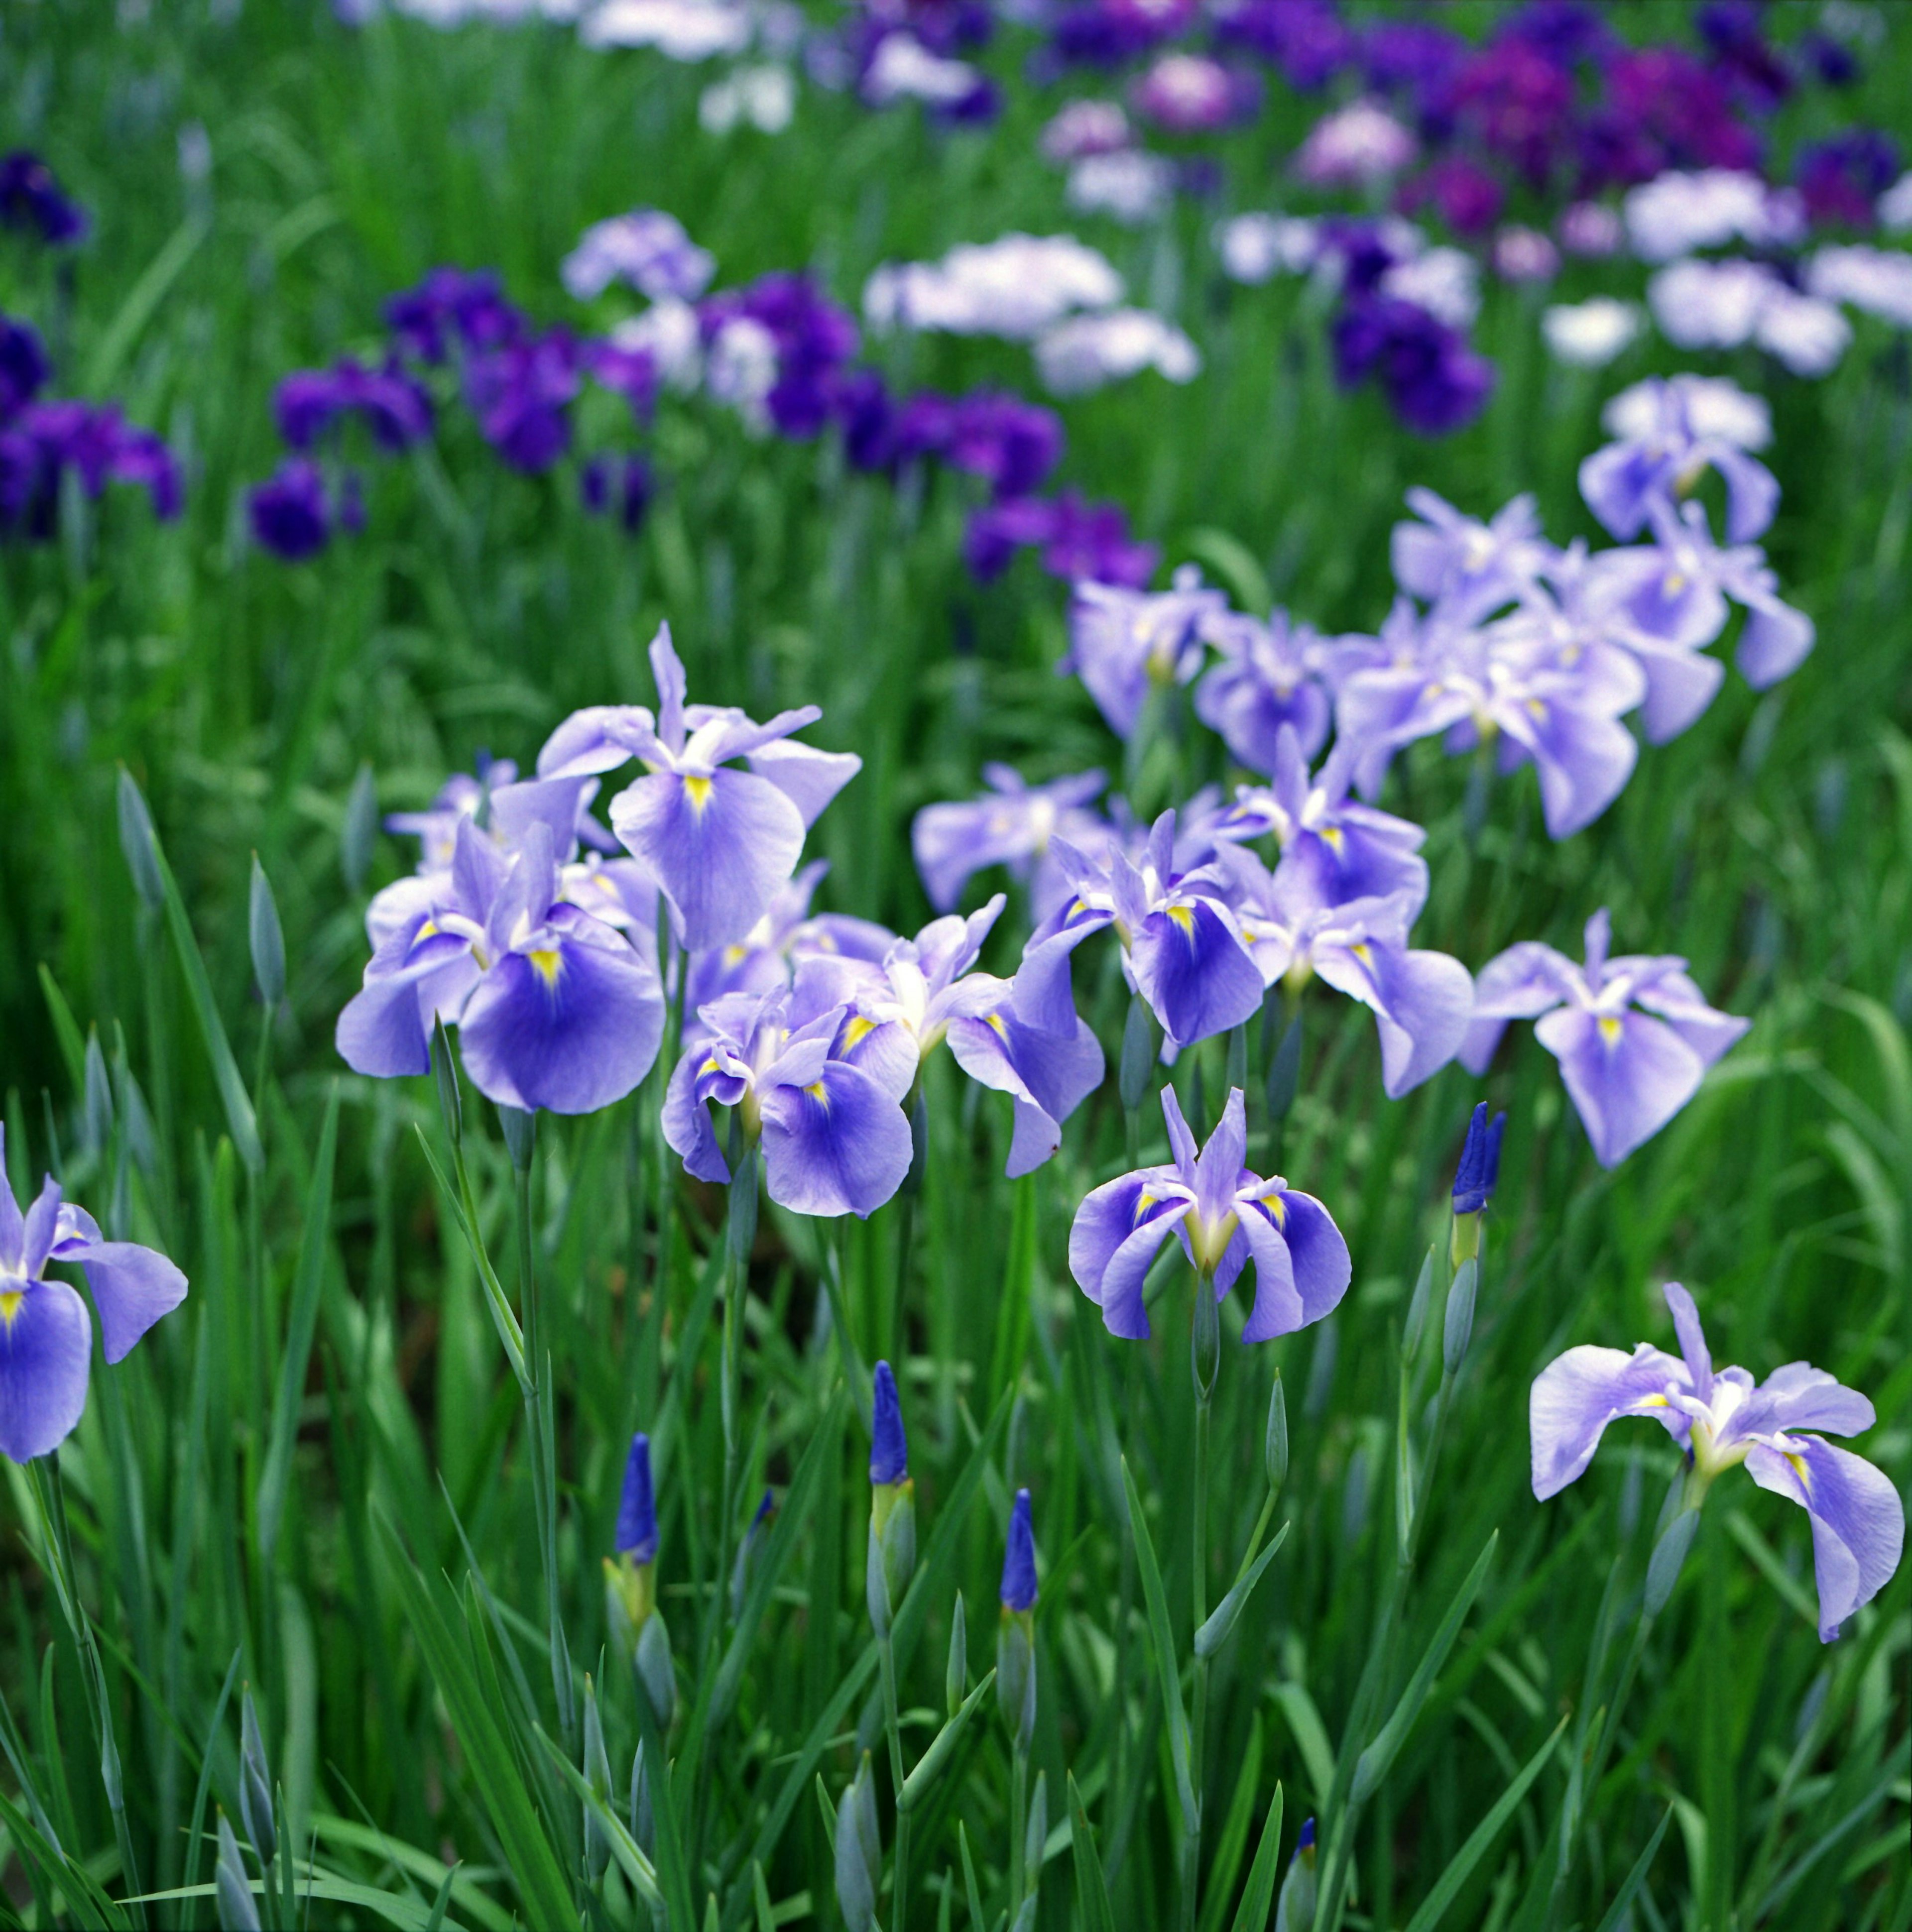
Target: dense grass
393, 1631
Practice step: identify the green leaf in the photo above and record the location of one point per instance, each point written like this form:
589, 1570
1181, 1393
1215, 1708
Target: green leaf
136, 310
1616, 1913
493, 1769
240, 1120
1098, 1915
1373, 1763
66, 1029
972, 1890
1214, 1633
1257, 1900
624, 1848
673, 1872
1218, 1885
1446, 1887
1231, 559
1163, 1638
307, 1284
929, 1766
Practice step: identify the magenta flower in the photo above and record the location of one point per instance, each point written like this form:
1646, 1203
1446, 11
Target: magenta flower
1634, 1036
1721, 1419
1223, 1216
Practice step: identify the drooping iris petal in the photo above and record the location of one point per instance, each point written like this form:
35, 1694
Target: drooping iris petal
1422, 1002
1317, 1268
1117, 1230
45, 1341
1627, 1076
1191, 966
1681, 682
383, 1029
1527, 980
720, 846
837, 1145
569, 1028
808, 778
1776, 640
1668, 992
1800, 1396
1047, 1076
1583, 761
686, 1120
132, 1287
1043, 995
1858, 1521
1575, 1397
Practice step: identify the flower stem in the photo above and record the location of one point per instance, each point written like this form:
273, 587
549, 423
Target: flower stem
1204, 1351
1018, 1812
892, 1724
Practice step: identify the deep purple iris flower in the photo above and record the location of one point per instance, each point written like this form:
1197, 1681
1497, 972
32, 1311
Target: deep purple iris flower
1670, 433
1079, 541
46, 1333
813, 338
925, 992
1018, 1591
1346, 850
622, 485
1422, 1001
1124, 643
290, 513
454, 308
1011, 825
32, 201
521, 394
1307, 39
1721, 1418
1182, 949
46, 440
1223, 1216
1634, 1035
719, 842
1271, 678
1434, 382
392, 404
833, 1140
25, 370
1840, 177
555, 1008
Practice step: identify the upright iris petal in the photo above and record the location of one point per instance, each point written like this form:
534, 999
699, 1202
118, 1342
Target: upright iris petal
1018, 1562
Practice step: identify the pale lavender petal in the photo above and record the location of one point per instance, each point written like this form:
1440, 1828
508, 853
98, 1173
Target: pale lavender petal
13, 1226
554, 803
1317, 1266
1575, 1397
838, 1146
686, 1121
667, 668
1692, 1339
1800, 1396
1218, 1167
569, 1029
1117, 1233
1192, 967
1422, 1004
719, 847
40, 1229
1677, 1001
1042, 994
809, 778
132, 1286
45, 1345
886, 1050
1858, 1521
599, 738
384, 1030
1628, 1076
1528, 979
1584, 760
1182, 1140
1681, 682
1774, 643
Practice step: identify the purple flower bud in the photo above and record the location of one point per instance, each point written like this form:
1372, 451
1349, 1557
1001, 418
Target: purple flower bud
1474, 1180
288, 513
1018, 1562
637, 1509
889, 1450
32, 200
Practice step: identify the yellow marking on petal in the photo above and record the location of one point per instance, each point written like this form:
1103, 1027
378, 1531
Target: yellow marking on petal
709, 1066
548, 965
1675, 582
815, 1091
427, 931
1185, 917
1278, 1210
1364, 953
1330, 837
733, 956
9, 1304
1799, 1468
859, 1030
1655, 1401
993, 1021
698, 790
1536, 709
1609, 1031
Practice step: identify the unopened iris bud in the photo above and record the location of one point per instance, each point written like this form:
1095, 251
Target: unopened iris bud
360, 832
520, 1127
239, 1911
255, 1783
956, 1674
746, 1565
892, 1554
1474, 1182
1015, 1637
859, 1851
1458, 1330
644, 1821
597, 1775
1275, 1448
1417, 1306
267, 938
139, 842
637, 1630
1295, 1912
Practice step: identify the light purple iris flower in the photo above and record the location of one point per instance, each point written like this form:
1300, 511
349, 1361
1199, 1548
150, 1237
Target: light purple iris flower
1124, 643
1349, 850
46, 1333
1677, 588
834, 1140
1670, 433
1559, 709
924, 993
1470, 569
554, 1008
1222, 1215
1270, 679
1720, 1418
1422, 1001
1182, 950
1634, 1036
1011, 825
719, 842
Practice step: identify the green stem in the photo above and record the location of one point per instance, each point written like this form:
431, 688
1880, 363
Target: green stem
92, 1675
892, 1722
1204, 1354
1019, 1813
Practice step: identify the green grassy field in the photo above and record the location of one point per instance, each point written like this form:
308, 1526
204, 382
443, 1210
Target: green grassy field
316, 1478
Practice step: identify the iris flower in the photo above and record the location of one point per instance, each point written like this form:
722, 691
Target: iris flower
1124, 643
1011, 824
720, 842
1670, 433
1634, 1036
1723, 1418
46, 1333
1222, 1215
1271, 678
